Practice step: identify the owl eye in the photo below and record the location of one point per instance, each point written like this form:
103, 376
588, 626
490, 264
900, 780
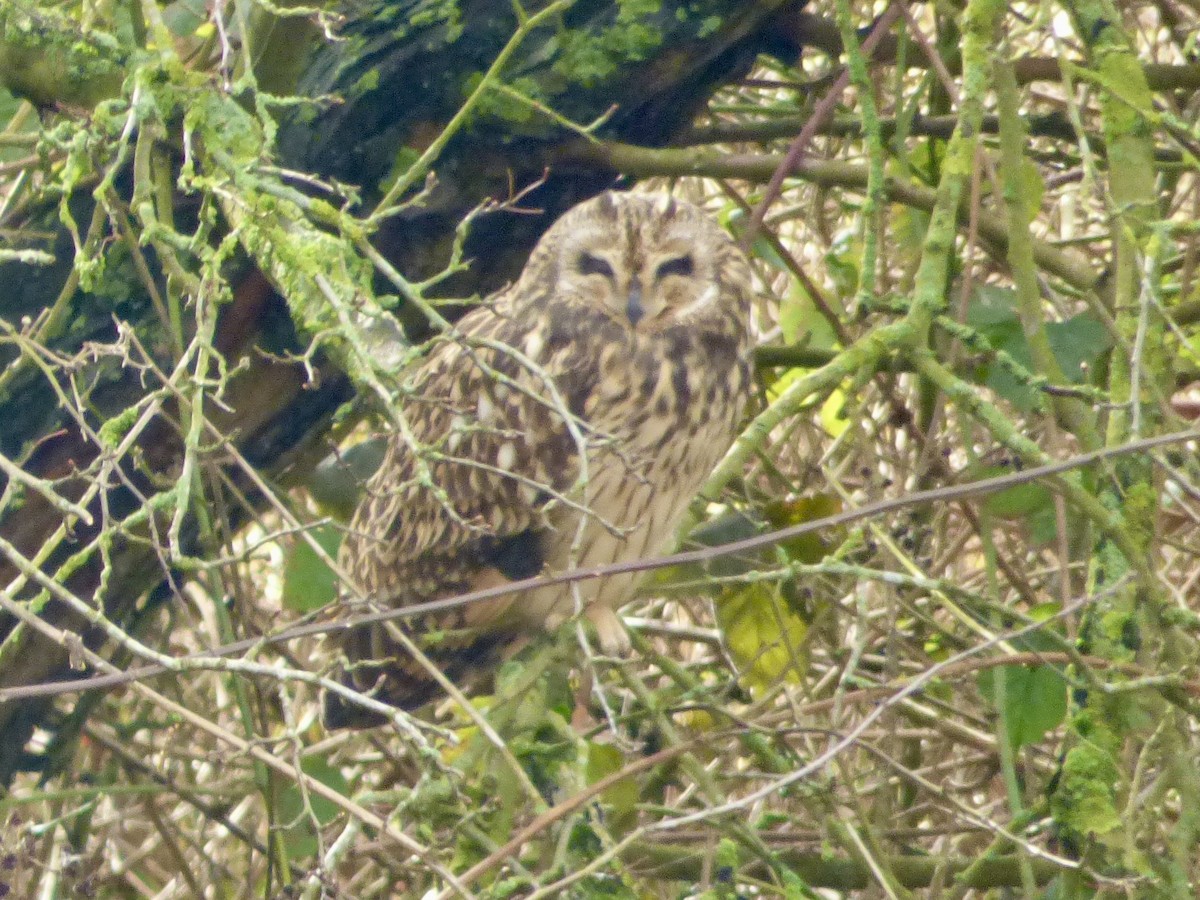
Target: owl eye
593, 265
680, 265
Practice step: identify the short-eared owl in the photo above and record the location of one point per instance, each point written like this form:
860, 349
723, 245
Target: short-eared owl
567, 422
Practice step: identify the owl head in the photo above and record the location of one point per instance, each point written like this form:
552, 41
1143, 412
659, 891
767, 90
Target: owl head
647, 262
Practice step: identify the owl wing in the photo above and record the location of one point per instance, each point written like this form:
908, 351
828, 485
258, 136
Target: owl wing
468, 488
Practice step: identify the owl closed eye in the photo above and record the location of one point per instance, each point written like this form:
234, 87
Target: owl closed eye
646, 264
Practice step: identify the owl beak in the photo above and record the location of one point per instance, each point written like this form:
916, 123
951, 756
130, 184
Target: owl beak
633, 306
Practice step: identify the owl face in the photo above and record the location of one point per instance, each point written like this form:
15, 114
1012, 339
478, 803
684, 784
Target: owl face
644, 262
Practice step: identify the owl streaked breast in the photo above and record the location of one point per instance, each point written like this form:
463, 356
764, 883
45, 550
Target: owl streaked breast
565, 423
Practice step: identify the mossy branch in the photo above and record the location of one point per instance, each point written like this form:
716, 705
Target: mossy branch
1075, 415
646, 162
51, 61
681, 862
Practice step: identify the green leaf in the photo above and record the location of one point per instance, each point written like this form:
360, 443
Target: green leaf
8, 108
1043, 525
800, 321
724, 529
764, 636
1033, 503
622, 795
308, 583
1032, 187
811, 547
184, 17
842, 268
795, 887
762, 249
336, 483
1019, 500
1076, 342
992, 312
992, 306
1035, 700
297, 826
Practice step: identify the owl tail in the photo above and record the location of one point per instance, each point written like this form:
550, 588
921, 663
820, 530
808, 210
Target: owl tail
376, 664
383, 685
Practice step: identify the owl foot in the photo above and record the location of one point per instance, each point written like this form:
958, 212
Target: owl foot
610, 630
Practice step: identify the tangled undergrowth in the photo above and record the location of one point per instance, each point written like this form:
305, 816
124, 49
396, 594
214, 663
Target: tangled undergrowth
954, 654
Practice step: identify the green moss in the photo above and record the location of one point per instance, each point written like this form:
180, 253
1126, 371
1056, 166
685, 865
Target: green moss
1085, 801
45, 57
708, 26
583, 59
113, 431
588, 58
504, 106
439, 12
226, 127
1140, 508
635, 9
366, 83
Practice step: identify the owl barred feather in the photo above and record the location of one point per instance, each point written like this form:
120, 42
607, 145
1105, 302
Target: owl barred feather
566, 423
